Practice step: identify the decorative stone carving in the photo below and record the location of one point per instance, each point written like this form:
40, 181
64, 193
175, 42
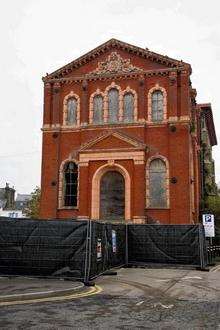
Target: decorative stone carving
172, 78
115, 63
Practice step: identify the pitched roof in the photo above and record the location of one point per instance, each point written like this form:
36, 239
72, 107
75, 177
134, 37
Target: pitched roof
117, 44
206, 108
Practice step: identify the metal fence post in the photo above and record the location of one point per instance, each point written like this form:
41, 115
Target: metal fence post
126, 244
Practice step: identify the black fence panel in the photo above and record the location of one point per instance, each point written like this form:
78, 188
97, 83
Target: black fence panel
98, 251
174, 244
116, 238
43, 247
108, 246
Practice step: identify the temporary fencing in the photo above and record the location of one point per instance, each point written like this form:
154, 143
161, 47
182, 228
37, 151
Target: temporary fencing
86, 249
172, 244
43, 247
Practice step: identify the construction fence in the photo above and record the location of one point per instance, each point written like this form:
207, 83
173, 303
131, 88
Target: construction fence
86, 249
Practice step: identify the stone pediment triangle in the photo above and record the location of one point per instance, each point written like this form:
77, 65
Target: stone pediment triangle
112, 140
114, 62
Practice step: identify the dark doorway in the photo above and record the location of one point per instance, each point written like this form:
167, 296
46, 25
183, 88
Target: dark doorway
112, 196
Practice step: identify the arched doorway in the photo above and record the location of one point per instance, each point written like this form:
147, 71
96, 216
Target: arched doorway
95, 205
112, 196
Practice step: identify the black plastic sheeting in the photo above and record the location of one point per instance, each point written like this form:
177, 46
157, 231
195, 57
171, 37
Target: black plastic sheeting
174, 244
108, 247
84, 250
43, 247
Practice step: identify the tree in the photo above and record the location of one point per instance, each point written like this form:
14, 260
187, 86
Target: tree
33, 205
213, 204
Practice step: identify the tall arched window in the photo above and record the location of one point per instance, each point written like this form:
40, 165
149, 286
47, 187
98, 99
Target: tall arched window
128, 107
70, 184
157, 184
98, 109
71, 118
113, 105
157, 106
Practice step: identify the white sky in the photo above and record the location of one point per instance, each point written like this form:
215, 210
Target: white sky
39, 36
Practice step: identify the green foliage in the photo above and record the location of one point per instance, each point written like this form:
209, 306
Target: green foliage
192, 127
33, 205
213, 204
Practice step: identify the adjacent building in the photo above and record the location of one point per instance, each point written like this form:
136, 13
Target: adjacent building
122, 138
9, 207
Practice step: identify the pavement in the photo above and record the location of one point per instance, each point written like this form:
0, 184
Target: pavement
21, 289
162, 298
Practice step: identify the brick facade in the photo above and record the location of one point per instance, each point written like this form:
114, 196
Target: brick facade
126, 147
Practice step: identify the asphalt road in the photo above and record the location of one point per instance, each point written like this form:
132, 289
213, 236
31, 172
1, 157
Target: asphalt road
134, 299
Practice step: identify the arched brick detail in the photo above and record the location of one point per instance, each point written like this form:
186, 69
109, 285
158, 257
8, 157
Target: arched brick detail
95, 212
113, 85
132, 91
163, 90
164, 159
97, 92
65, 101
61, 183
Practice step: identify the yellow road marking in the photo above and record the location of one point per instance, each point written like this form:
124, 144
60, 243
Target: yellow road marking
92, 291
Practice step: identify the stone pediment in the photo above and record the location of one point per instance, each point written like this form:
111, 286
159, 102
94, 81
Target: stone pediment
112, 141
112, 62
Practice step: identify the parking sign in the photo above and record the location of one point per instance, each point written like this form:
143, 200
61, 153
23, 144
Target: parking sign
209, 225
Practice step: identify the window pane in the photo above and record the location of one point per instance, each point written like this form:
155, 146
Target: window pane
72, 112
157, 184
98, 109
71, 184
128, 107
113, 105
157, 106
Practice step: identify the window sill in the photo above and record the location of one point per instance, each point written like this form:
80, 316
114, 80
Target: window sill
68, 208
157, 208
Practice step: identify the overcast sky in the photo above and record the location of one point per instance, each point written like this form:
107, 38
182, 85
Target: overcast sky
39, 36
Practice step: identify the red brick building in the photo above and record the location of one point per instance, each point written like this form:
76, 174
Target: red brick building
121, 138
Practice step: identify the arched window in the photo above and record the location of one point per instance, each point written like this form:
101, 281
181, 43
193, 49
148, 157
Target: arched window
113, 105
157, 184
157, 106
71, 118
70, 184
128, 107
98, 109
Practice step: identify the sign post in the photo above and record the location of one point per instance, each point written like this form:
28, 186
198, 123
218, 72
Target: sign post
209, 225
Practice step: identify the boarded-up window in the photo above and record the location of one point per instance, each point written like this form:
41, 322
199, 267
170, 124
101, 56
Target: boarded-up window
71, 111
157, 106
113, 105
70, 184
128, 104
157, 184
98, 109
